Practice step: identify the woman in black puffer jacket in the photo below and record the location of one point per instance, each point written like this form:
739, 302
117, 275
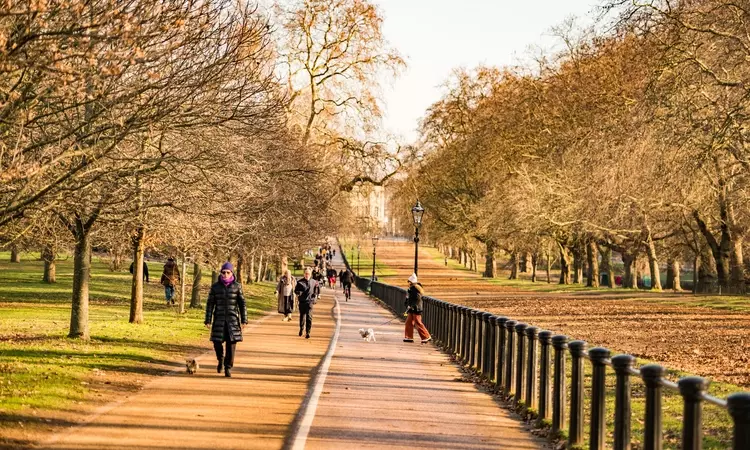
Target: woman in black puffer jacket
226, 305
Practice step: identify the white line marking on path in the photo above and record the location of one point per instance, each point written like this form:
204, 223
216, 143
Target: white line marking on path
310, 407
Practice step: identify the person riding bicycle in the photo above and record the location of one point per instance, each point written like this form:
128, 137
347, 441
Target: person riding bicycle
346, 278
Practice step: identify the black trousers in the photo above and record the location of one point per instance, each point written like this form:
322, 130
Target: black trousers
305, 316
230, 345
288, 304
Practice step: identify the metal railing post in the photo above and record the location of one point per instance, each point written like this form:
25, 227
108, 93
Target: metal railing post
520, 362
739, 408
467, 335
560, 344
531, 386
473, 338
545, 391
622, 364
652, 435
501, 352
493, 347
480, 342
599, 357
510, 369
486, 343
692, 390
575, 428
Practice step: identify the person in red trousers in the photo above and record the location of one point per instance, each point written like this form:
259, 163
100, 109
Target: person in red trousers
414, 312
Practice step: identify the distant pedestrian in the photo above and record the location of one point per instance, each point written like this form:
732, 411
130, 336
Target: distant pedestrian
226, 316
307, 291
414, 312
285, 295
169, 279
331, 274
145, 270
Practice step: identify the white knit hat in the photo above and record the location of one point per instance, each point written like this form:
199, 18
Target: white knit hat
413, 278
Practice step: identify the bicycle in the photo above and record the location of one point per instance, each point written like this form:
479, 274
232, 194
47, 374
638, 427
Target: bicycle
348, 291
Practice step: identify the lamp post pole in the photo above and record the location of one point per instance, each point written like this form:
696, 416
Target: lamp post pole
358, 248
374, 242
416, 251
417, 212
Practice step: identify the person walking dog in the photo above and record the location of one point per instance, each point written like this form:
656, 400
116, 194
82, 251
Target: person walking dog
285, 295
169, 279
307, 291
414, 312
226, 316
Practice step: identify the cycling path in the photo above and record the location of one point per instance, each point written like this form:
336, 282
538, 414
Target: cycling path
332, 391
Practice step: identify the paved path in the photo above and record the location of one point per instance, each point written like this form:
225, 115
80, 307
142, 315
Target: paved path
389, 394
384, 394
251, 410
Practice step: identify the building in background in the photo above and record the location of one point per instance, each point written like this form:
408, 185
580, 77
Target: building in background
370, 205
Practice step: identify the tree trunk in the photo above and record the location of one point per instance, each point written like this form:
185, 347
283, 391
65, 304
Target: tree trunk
592, 255
259, 278
653, 263
515, 265
534, 261
283, 265
630, 279
737, 265
214, 276
696, 268
549, 266
251, 269
15, 256
490, 262
195, 294
524, 263
79, 314
240, 269
182, 284
564, 264
136, 286
673, 275
608, 266
577, 265
50, 269
721, 250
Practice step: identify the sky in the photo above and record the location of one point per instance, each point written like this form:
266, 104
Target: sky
436, 36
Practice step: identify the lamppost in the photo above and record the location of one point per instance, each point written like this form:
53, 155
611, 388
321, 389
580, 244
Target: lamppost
358, 259
374, 241
416, 212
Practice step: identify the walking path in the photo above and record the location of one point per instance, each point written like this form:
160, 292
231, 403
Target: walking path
288, 392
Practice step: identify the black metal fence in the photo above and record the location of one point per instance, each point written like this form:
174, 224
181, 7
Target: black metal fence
528, 365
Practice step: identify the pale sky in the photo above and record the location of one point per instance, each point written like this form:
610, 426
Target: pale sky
436, 36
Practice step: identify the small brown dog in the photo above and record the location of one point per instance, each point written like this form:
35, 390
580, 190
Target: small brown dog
192, 366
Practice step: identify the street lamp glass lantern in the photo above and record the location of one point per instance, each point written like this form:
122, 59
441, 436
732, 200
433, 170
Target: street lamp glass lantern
375, 240
416, 212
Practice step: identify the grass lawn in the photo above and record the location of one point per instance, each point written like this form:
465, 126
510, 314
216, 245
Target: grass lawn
41, 369
364, 262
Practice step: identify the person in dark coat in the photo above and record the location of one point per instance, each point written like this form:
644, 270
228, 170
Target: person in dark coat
226, 306
307, 291
145, 270
169, 279
414, 312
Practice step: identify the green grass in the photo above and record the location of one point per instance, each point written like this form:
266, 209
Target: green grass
42, 368
364, 262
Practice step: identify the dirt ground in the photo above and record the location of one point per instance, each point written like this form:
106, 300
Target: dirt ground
662, 327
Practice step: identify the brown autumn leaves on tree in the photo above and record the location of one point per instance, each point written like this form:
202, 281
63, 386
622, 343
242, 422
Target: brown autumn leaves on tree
630, 142
132, 124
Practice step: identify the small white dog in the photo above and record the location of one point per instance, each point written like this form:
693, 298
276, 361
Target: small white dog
368, 334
